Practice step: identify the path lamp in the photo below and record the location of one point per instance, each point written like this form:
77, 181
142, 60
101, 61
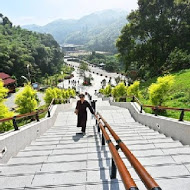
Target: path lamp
29, 72
63, 78
25, 78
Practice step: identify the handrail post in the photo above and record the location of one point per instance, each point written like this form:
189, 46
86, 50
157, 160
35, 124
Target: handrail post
141, 108
98, 125
98, 128
49, 114
113, 167
133, 99
156, 111
181, 115
15, 124
103, 139
37, 115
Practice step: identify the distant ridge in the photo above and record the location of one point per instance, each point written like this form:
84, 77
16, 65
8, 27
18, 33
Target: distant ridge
97, 31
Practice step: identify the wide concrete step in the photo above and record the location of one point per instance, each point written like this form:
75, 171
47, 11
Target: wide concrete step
63, 159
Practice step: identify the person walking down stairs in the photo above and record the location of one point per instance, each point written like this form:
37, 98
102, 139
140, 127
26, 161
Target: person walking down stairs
81, 112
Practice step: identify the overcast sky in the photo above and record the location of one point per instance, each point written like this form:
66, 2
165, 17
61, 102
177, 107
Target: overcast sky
41, 12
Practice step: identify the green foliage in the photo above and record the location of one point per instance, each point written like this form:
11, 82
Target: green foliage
3, 91
106, 91
50, 94
177, 97
19, 48
156, 39
111, 62
5, 113
133, 89
60, 95
26, 100
83, 66
158, 91
72, 92
177, 60
120, 91
87, 80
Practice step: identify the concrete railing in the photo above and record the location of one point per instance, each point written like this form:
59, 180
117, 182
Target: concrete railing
178, 130
13, 141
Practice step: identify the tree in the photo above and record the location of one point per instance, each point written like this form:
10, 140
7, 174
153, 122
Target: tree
26, 100
154, 30
84, 66
177, 60
20, 47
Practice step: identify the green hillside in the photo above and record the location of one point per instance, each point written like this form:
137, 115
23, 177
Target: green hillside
21, 50
97, 31
179, 96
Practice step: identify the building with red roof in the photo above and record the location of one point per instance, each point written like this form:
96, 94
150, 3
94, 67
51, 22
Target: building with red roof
8, 82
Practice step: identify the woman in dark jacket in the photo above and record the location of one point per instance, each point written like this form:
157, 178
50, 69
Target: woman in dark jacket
80, 110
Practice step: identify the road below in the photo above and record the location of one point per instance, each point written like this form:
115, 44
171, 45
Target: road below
10, 100
96, 73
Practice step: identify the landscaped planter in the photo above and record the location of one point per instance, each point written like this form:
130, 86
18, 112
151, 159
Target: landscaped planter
85, 83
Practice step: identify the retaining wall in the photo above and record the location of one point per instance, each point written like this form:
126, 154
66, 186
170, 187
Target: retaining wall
14, 141
178, 130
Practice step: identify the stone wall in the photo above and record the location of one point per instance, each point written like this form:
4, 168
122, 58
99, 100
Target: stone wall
178, 130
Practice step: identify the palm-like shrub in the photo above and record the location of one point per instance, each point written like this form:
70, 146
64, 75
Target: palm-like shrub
4, 111
120, 91
3, 91
60, 96
106, 91
50, 94
26, 100
133, 89
159, 91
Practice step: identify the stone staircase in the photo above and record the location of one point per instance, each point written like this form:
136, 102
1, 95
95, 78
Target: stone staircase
63, 160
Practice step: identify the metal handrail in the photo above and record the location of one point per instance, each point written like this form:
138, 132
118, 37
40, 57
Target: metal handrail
143, 174
155, 108
124, 173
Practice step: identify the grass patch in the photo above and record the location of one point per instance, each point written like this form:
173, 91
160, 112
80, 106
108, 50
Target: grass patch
178, 97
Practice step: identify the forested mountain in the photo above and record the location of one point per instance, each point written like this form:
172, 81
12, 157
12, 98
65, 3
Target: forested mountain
97, 31
156, 40
20, 47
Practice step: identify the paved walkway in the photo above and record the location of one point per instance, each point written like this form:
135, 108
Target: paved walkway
63, 160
